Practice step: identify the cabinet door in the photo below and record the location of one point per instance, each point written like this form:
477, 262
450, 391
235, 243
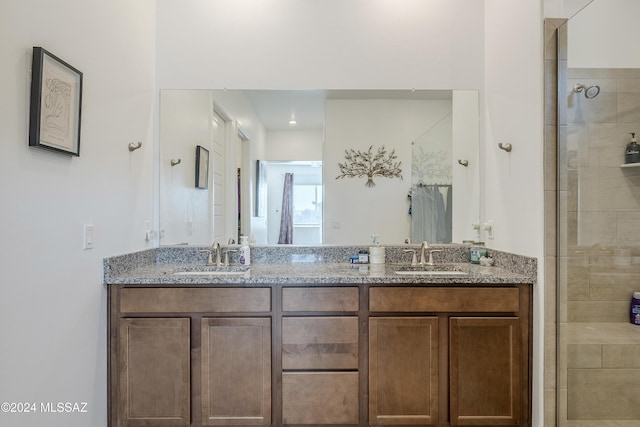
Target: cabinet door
154, 372
236, 371
485, 371
403, 370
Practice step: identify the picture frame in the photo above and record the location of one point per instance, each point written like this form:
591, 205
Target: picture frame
56, 104
202, 167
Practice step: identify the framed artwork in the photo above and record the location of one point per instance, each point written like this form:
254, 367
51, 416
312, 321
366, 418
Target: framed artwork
202, 167
56, 104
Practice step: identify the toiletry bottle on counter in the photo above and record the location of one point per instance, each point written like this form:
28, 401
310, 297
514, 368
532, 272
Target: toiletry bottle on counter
635, 309
632, 154
245, 252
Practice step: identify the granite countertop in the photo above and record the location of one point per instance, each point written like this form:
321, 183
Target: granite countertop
156, 268
315, 274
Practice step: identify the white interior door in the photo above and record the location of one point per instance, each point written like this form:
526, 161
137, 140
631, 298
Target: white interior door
218, 177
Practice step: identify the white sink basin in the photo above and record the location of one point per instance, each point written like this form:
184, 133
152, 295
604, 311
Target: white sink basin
431, 272
209, 273
212, 271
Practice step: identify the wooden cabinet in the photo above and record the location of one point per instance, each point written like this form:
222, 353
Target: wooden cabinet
320, 398
190, 357
485, 371
320, 370
465, 361
154, 364
281, 355
320, 343
236, 371
320, 356
403, 370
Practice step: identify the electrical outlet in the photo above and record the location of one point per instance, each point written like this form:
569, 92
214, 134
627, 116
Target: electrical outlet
488, 226
148, 231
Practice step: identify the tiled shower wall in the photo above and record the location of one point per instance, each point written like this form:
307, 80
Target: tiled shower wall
602, 199
598, 238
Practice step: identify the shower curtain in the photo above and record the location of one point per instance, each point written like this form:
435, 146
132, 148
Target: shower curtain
430, 220
286, 217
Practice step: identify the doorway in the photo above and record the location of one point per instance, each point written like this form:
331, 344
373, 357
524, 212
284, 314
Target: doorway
307, 197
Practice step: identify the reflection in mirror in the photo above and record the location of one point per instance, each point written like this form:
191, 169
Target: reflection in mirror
431, 184
241, 127
305, 213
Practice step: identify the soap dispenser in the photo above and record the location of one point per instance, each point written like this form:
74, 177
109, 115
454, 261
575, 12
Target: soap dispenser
632, 155
245, 251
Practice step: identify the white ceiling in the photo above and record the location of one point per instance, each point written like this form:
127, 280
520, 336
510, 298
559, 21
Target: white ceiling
277, 107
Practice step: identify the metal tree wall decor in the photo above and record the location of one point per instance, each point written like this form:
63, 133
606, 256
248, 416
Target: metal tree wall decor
370, 164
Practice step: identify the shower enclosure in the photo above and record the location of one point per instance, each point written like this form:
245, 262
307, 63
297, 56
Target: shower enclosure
597, 220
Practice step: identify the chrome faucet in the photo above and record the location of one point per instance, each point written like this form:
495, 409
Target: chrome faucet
430, 262
226, 256
424, 246
414, 260
215, 249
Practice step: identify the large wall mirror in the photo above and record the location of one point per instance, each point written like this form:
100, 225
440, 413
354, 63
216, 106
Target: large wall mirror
274, 159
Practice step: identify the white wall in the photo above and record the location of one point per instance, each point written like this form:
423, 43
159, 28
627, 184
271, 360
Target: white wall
185, 211
52, 300
513, 187
352, 211
595, 34
564, 8
326, 44
466, 182
294, 145
513, 191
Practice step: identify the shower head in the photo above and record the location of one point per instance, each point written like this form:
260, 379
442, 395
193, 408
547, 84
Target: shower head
590, 92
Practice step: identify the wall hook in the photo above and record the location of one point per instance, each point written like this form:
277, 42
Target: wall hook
464, 163
133, 146
506, 147
175, 162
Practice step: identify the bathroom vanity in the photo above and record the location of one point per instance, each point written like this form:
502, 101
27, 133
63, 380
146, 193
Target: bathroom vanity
321, 343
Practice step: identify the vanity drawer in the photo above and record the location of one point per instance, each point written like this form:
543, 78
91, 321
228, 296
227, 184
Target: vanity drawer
320, 343
320, 398
487, 300
195, 300
320, 299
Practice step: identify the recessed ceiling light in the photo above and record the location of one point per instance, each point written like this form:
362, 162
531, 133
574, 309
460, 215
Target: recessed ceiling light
292, 122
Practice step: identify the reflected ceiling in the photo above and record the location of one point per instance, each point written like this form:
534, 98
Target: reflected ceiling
277, 107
